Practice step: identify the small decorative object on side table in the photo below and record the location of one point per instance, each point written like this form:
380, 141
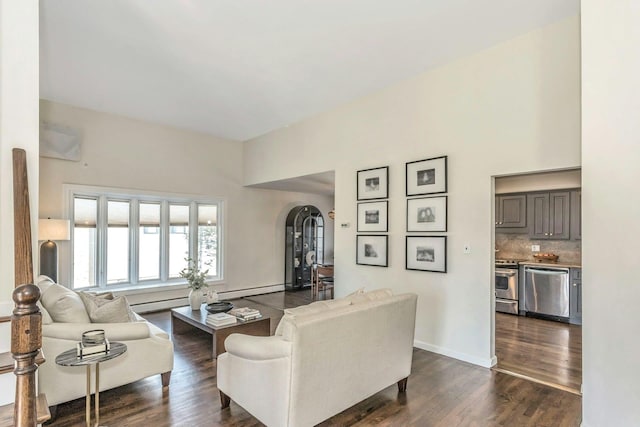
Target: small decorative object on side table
70, 358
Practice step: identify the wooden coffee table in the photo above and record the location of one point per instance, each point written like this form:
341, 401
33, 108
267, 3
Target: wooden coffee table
183, 319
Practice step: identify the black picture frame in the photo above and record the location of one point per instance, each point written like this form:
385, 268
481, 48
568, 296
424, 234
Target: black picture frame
428, 176
372, 249
426, 253
373, 217
427, 214
373, 183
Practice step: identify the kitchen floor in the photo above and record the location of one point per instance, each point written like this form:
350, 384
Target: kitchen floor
547, 351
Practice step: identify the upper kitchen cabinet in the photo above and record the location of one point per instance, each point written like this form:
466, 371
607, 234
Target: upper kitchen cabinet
511, 213
548, 215
576, 215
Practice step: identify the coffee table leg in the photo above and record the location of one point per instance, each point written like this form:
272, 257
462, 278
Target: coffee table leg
213, 346
97, 402
88, 402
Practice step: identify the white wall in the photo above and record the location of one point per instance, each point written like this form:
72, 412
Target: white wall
509, 109
611, 208
18, 120
18, 129
126, 153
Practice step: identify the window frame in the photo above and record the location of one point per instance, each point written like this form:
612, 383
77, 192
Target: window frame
135, 197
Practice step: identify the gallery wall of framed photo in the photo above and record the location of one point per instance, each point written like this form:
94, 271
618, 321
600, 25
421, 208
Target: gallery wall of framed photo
426, 183
373, 217
426, 215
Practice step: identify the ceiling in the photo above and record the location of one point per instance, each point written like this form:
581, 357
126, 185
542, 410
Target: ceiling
318, 183
240, 68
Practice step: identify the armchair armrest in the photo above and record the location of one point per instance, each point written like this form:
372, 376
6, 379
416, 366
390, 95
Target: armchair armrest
113, 331
257, 348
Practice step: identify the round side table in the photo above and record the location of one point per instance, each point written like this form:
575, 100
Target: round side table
70, 358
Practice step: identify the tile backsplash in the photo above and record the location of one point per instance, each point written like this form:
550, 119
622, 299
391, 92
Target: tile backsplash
518, 246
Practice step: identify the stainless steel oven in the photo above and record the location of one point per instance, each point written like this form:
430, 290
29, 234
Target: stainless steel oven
506, 286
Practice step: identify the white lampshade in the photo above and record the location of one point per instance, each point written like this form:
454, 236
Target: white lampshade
54, 229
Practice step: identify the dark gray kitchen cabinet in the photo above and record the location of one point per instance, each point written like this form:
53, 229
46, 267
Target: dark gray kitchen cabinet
511, 212
548, 215
576, 215
575, 296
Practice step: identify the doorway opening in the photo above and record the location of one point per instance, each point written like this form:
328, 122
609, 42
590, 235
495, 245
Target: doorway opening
538, 277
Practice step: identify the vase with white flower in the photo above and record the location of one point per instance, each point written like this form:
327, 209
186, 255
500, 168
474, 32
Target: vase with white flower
196, 281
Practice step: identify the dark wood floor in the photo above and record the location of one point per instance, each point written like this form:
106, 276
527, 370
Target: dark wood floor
441, 392
542, 349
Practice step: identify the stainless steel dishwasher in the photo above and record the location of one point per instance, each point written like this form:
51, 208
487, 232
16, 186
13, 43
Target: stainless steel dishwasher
546, 291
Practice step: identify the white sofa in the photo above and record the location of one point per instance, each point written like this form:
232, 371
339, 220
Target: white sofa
149, 352
323, 359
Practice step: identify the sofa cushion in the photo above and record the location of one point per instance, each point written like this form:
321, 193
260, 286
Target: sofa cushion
64, 305
101, 309
356, 292
371, 296
286, 325
46, 317
335, 303
314, 307
44, 282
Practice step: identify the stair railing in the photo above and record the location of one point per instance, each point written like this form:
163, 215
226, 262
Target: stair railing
26, 322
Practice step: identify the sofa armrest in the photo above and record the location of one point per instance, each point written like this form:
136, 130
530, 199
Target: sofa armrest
257, 348
113, 331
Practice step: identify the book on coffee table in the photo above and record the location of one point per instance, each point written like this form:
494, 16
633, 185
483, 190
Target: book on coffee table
245, 313
220, 319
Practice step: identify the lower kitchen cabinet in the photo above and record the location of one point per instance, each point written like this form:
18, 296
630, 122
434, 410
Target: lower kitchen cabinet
575, 296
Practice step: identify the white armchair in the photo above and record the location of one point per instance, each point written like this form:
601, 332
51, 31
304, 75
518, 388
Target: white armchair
149, 352
149, 349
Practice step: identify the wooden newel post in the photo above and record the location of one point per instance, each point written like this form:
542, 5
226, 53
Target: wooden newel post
26, 340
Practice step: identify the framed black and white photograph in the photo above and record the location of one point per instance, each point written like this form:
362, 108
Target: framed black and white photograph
372, 250
427, 176
427, 214
427, 253
373, 183
372, 216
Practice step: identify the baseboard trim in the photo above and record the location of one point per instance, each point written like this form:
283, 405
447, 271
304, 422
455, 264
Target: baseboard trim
485, 363
147, 307
494, 361
251, 291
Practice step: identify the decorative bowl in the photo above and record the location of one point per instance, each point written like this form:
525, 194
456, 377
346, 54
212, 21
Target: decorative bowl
546, 257
219, 307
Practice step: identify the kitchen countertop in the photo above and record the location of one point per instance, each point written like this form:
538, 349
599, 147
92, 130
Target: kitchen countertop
552, 264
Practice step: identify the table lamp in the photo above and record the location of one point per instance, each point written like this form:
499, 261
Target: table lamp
48, 231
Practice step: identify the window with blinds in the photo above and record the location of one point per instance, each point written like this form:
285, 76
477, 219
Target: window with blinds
149, 241
122, 239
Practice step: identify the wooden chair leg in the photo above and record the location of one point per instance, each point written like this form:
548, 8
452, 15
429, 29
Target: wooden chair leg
225, 400
402, 385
